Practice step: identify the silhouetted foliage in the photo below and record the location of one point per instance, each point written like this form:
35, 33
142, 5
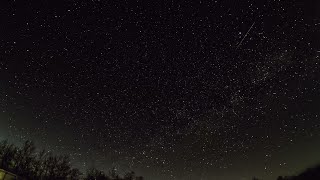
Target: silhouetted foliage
309, 174
8, 153
94, 174
280, 178
113, 173
130, 176
27, 163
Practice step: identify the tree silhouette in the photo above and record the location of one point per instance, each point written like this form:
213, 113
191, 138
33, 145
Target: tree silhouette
113, 174
280, 178
74, 174
94, 174
24, 159
39, 164
8, 152
130, 176
27, 163
309, 174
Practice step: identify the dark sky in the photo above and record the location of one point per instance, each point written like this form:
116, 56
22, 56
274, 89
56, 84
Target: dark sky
172, 90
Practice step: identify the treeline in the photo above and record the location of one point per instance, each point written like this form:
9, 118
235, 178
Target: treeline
28, 163
309, 174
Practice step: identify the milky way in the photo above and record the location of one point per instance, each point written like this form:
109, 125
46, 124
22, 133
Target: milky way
174, 90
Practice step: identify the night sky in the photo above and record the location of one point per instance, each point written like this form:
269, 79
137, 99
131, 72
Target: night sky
172, 90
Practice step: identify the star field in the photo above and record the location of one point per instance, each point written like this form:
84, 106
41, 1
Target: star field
171, 90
